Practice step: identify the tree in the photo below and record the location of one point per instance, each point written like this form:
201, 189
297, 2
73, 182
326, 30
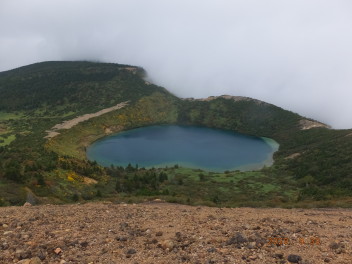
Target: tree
307, 180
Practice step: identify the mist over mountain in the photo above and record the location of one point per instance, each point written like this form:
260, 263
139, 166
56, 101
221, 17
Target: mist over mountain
294, 54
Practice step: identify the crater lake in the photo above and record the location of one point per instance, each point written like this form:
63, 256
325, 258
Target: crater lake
188, 146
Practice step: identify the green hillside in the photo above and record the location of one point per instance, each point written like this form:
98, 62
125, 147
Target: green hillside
70, 87
312, 167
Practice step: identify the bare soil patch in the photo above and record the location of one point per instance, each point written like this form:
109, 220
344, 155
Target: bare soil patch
71, 123
308, 124
172, 233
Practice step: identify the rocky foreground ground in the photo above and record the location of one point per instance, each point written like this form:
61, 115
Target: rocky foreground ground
170, 233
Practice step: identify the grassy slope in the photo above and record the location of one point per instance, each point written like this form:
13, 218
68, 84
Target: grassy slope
52, 92
320, 170
322, 167
61, 87
158, 108
286, 182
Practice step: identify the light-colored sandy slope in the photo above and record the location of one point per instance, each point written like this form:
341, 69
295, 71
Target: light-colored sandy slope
308, 124
70, 123
172, 233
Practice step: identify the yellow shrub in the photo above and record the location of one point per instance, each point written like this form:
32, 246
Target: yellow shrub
71, 176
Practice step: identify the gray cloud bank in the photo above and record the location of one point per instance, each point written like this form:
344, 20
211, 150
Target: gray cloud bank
295, 54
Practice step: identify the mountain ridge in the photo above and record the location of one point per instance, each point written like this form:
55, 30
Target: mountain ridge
56, 92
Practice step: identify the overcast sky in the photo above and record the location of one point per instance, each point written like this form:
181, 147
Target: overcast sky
296, 54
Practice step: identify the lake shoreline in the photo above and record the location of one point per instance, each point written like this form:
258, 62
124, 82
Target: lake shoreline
153, 137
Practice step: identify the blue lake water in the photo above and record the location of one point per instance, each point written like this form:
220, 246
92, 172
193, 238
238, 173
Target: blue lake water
188, 146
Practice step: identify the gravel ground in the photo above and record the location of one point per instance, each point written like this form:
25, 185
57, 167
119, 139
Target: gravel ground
170, 233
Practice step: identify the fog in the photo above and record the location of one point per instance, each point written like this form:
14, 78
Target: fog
295, 54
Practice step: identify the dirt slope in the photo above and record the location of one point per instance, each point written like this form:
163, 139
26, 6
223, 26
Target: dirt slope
170, 233
53, 132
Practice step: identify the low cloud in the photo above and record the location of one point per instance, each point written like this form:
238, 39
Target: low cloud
295, 54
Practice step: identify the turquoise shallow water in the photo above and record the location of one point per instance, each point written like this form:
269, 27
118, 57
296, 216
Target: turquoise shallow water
188, 146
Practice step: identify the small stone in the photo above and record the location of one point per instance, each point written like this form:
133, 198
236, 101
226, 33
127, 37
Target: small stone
24, 261
278, 256
5, 226
4, 246
340, 250
41, 254
58, 251
84, 244
159, 233
334, 245
337, 247
131, 251
251, 245
21, 254
294, 258
27, 204
123, 225
211, 250
167, 244
185, 258
36, 260
122, 239
237, 240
